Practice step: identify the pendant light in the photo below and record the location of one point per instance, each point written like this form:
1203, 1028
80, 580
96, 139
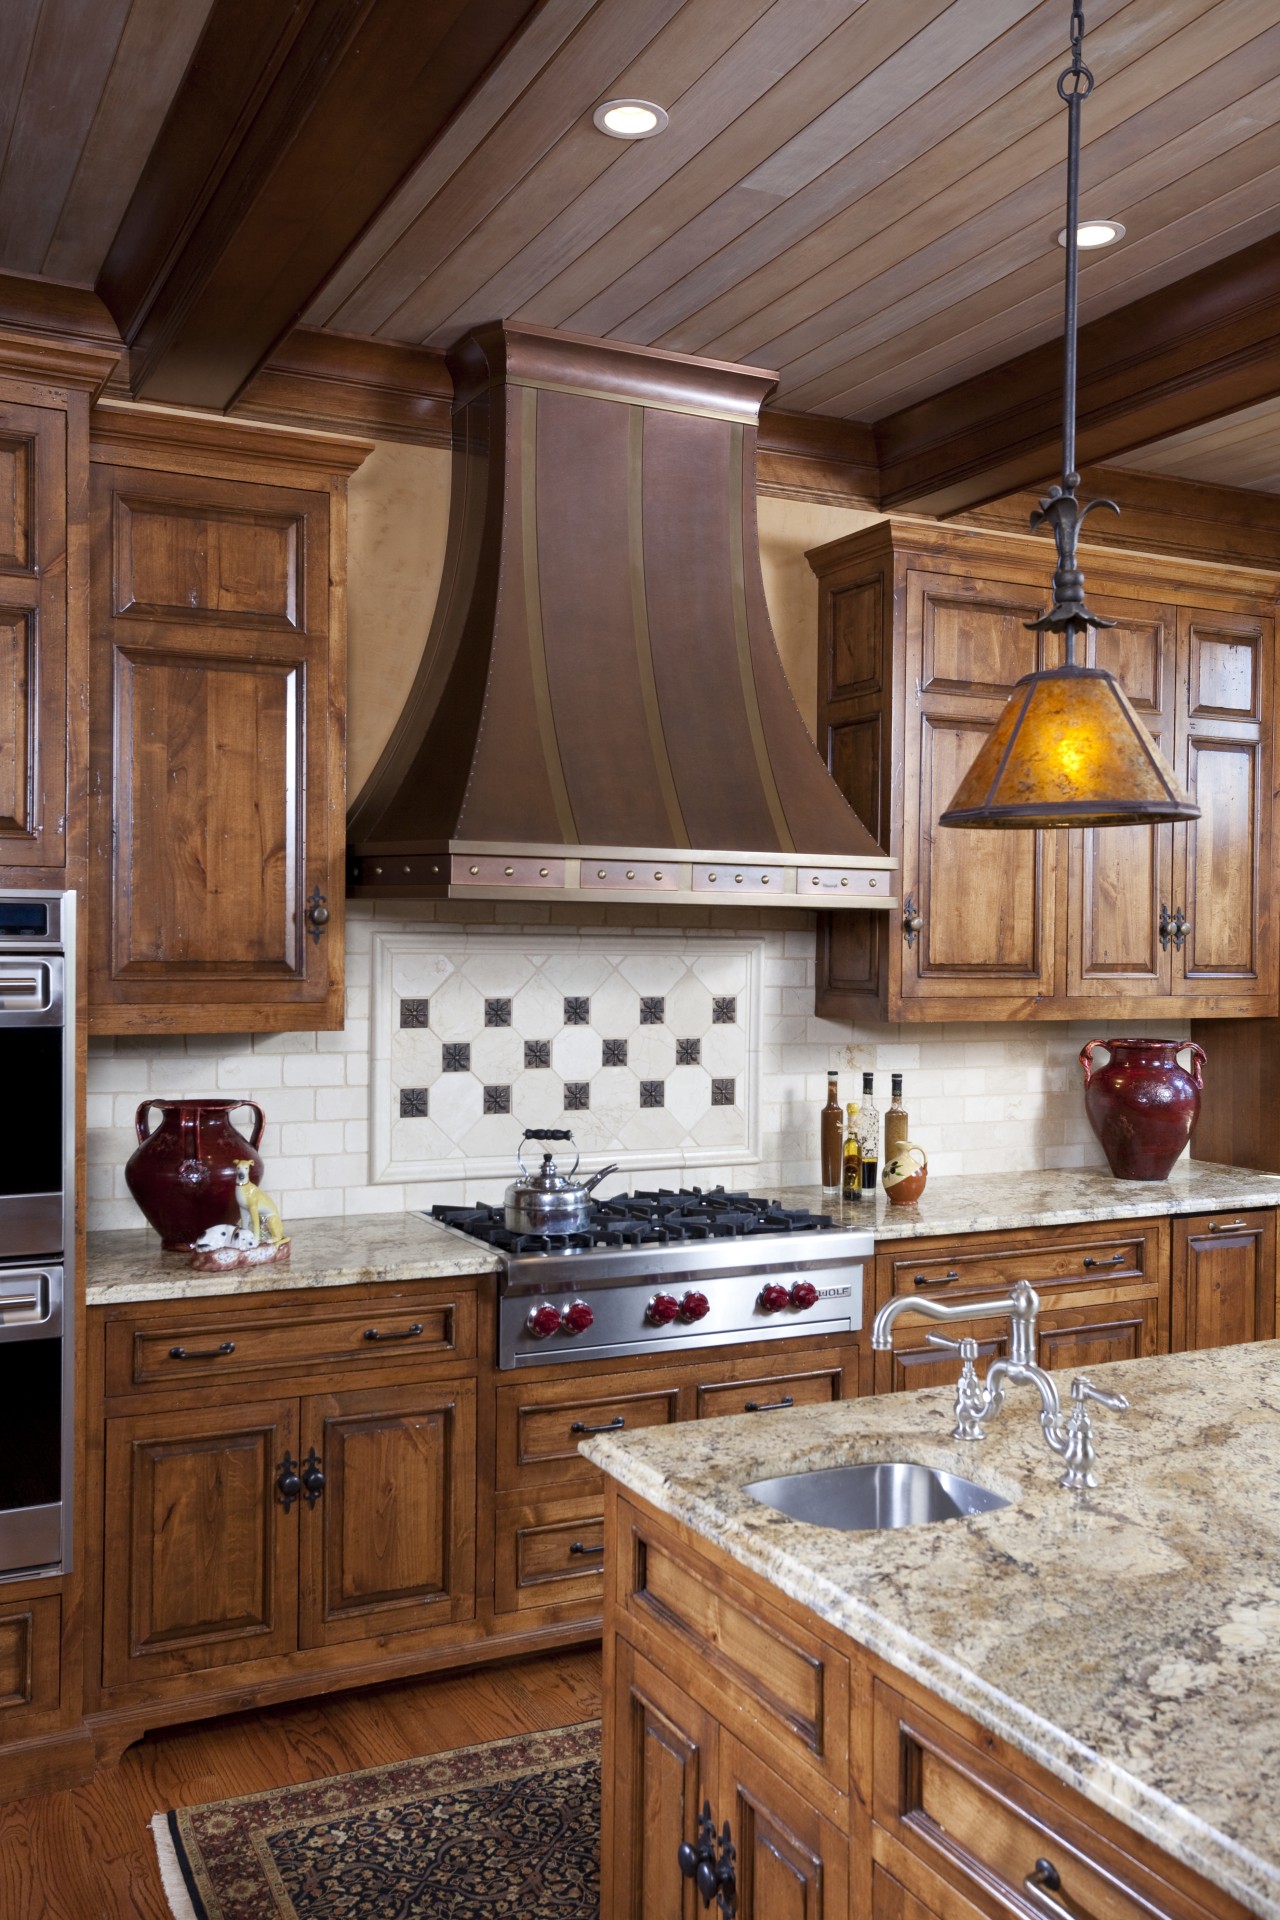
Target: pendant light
1069, 750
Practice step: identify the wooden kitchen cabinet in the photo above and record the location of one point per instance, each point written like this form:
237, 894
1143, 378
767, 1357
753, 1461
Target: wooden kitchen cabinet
1104, 1289
923, 634
1224, 1279
217, 701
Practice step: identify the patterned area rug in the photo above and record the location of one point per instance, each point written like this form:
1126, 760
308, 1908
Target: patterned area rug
507, 1829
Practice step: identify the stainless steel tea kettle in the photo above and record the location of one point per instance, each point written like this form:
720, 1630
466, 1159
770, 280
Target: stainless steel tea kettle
548, 1201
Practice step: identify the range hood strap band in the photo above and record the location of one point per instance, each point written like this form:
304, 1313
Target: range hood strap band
533, 615
644, 645
742, 635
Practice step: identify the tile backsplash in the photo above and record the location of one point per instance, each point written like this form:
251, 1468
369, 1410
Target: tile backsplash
687, 1053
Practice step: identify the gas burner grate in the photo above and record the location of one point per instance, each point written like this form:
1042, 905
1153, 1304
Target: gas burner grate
661, 1217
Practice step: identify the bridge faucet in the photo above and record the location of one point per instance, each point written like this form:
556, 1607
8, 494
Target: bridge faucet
1070, 1436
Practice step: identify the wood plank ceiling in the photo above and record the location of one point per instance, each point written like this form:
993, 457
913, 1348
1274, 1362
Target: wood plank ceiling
84, 89
1240, 450
864, 196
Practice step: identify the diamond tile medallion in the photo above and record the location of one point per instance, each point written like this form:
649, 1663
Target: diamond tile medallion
649, 1042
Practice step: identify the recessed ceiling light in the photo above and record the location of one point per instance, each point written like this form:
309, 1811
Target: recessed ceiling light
629, 119
1095, 233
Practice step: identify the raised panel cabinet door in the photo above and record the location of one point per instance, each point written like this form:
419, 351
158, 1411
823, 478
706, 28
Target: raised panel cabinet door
1222, 871
201, 1560
34, 719
792, 1864
658, 1770
985, 899
389, 1543
1076, 1338
1224, 1280
213, 724
1120, 879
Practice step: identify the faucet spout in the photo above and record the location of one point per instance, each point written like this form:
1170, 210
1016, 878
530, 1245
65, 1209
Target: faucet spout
1020, 1307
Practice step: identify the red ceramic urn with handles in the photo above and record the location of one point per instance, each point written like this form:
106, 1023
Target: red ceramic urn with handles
1143, 1104
183, 1174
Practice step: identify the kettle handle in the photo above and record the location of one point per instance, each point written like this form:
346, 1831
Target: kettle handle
548, 1133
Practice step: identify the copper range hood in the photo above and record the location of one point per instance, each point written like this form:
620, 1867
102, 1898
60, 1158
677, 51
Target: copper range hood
601, 713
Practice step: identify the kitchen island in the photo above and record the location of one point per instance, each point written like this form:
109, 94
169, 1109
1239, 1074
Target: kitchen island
904, 1723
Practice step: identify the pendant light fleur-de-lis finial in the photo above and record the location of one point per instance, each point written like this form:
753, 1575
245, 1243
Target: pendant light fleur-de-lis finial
1069, 749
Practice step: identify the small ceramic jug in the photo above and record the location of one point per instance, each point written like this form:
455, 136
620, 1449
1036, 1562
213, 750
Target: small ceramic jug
904, 1176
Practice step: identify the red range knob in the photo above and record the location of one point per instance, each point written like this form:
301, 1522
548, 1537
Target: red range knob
773, 1298
662, 1310
694, 1306
577, 1318
803, 1294
543, 1322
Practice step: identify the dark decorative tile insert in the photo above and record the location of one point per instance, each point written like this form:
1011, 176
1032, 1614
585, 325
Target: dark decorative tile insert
497, 1099
413, 1103
652, 1093
577, 1012
724, 1010
457, 1057
723, 1093
414, 1013
614, 1053
497, 1013
653, 1010
688, 1053
537, 1053
577, 1096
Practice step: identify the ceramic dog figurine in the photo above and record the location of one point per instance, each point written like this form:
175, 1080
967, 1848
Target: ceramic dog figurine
257, 1209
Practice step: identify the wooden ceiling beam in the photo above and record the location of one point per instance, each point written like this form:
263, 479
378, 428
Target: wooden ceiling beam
295, 122
1201, 348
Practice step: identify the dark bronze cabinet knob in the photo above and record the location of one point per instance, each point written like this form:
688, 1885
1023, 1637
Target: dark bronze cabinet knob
317, 914
912, 920
312, 1479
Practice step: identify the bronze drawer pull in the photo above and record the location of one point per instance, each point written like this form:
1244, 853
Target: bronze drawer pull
926, 1280
410, 1333
202, 1353
1043, 1885
613, 1426
1228, 1226
768, 1406
1116, 1260
578, 1547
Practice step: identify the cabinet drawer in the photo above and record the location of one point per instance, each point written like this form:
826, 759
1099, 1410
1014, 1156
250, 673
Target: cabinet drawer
30, 1662
548, 1553
540, 1426
1076, 1255
981, 1828
769, 1677
771, 1390
192, 1346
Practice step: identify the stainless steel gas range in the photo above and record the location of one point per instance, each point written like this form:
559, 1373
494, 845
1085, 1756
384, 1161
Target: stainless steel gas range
665, 1271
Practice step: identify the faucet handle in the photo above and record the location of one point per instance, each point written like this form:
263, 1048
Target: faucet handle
966, 1348
1083, 1389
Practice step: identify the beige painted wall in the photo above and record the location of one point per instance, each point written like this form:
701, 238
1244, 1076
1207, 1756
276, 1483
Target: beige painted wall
398, 513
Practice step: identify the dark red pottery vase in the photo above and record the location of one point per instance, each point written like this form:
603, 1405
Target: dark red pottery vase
183, 1175
1143, 1105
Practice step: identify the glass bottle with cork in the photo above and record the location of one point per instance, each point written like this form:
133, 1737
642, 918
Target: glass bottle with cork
851, 1179
869, 1139
831, 1133
897, 1128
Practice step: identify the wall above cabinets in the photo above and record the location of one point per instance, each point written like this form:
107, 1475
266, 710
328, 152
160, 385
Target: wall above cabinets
922, 636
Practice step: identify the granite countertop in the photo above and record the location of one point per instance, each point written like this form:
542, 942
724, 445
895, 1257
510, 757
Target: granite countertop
1128, 1640
991, 1202
122, 1267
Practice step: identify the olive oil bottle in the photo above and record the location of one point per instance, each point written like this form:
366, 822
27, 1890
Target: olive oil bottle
869, 1139
831, 1133
897, 1127
851, 1180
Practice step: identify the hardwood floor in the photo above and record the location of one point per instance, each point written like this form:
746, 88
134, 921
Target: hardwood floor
87, 1854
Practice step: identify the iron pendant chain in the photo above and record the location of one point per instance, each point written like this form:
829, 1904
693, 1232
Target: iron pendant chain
1060, 509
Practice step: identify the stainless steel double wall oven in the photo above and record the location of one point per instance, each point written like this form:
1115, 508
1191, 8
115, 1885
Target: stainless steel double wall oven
37, 1229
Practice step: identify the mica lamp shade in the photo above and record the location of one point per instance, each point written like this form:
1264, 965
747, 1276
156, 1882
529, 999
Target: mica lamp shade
1069, 751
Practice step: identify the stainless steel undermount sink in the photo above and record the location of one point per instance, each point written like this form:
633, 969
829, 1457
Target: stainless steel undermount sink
874, 1497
